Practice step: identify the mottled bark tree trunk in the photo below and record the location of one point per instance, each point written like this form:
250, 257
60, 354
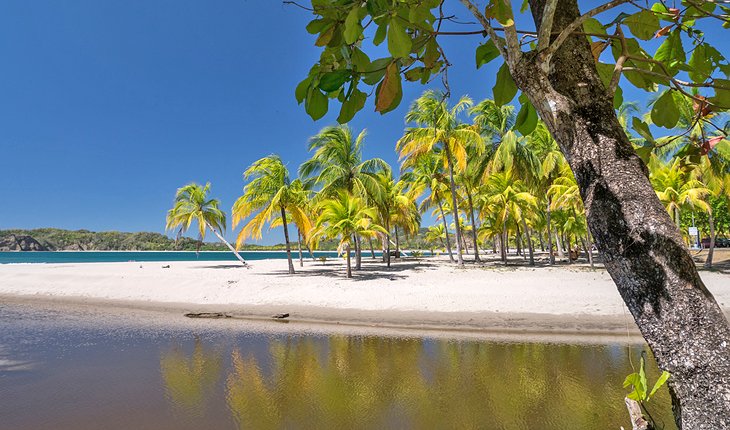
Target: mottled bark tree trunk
642, 249
299, 246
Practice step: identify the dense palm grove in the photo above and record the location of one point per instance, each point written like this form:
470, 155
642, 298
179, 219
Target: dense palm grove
488, 186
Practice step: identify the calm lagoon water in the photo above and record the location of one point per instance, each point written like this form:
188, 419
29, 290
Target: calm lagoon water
122, 256
88, 372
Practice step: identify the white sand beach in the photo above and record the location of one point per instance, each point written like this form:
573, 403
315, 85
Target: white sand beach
426, 292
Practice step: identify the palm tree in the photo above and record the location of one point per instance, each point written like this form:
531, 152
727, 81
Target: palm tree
272, 194
435, 234
346, 217
426, 175
506, 198
192, 204
565, 195
396, 208
545, 148
337, 166
676, 188
438, 127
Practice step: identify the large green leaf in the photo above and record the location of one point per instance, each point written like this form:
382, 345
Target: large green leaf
353, 28
504, 89
486, 52
399, 42
643, 24
665, 113
671, 52
332, 81
722, 93
351, 106
527, 118
316, 104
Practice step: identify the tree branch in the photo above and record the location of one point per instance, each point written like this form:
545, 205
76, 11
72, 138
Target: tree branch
618, 68
546, 26
487, 28
510, 35
570, 28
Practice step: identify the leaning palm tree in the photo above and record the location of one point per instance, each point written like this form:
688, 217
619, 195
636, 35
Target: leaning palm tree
273, 195
345, 217
438, 128
191, 205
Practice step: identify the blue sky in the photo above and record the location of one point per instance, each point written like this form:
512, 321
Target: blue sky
106, 107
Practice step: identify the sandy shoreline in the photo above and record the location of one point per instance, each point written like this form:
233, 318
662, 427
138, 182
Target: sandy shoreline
424, 294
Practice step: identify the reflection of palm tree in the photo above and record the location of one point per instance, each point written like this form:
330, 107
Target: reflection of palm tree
190, 380
347, 382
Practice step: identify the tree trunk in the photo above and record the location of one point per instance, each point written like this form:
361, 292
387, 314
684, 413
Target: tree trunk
518, 240
549, 234
642, 249
454, 205
542, 243
222, 239
529, 242
286, 239
349, 267
708, 262
446, 230
387, 244
559, 245
372, 250
397, 243
503, 245
299, 246
589, 248
473, 228
358, 253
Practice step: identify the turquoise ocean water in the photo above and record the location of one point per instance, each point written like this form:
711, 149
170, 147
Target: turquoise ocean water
122, 256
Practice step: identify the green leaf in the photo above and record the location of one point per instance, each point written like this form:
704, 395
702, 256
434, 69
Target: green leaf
316, 104
501, 11
592, 25
671, 52
332, 81
642, 128
526, 119
722, 93
486, 53
325, 37
399, 42
643, 24
665, 113
389, 90
432, 54
376, 70
360, 60
662, 379
618, 98
301, 91
380, 34
414, 74
353, 28
700, 63
351, 106
504, 89
316, 26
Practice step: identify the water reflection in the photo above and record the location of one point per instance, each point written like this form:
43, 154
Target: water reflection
371, 382
189, 381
